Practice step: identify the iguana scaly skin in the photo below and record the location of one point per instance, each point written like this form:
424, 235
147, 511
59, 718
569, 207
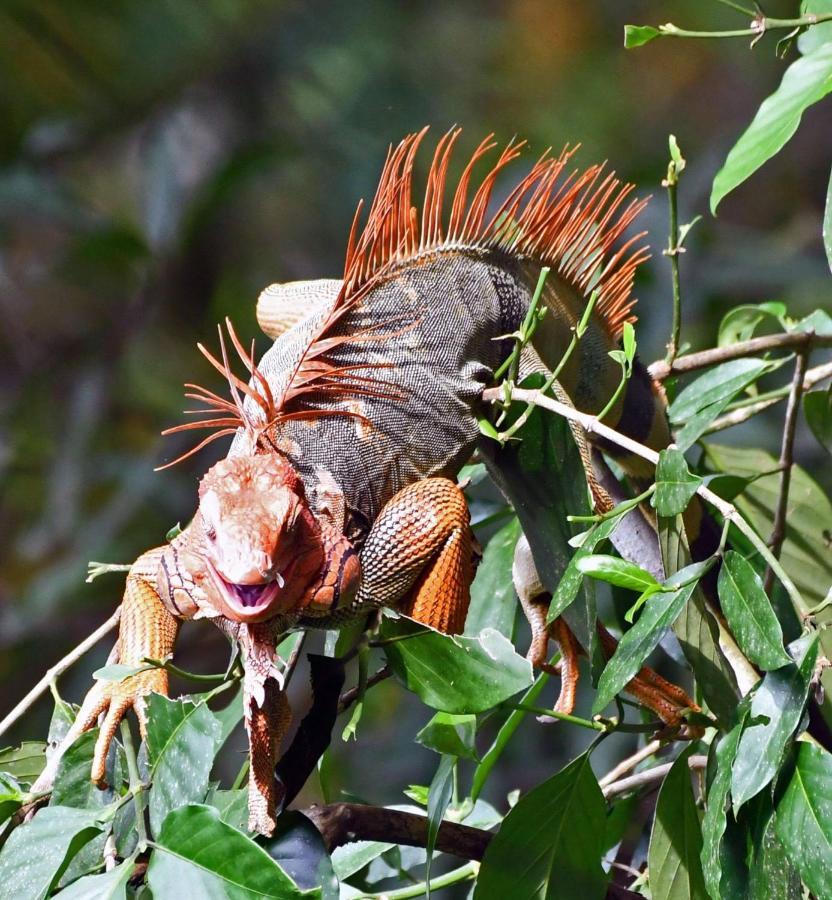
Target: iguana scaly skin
339, 494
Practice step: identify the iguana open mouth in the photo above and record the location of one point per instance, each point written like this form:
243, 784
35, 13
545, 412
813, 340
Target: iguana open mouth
246, 599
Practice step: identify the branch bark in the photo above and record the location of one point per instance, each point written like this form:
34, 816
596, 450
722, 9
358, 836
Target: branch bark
647, 778
692, 362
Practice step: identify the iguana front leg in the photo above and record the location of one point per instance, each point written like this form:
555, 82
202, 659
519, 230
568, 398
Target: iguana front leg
146, 629
418, 556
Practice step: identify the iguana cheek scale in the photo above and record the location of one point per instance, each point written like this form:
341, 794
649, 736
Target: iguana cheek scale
339, 493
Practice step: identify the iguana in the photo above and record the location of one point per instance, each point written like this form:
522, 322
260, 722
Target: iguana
339, 493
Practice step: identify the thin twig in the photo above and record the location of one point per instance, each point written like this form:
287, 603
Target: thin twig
760, 24
741, 412
691, 362
136, 787
673, 252
349, 697
628, 764
59, 668
592, 426
648, 777
778, 530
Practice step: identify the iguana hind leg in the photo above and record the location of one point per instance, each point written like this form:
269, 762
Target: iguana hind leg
418, 556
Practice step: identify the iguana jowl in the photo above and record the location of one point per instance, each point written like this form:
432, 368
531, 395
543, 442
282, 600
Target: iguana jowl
339, 493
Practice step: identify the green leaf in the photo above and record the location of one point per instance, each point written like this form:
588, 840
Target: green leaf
25, 762
708, 395
817, 407
298, 848
493, 603
182, 739
804, 555
628, 338
118, 672
805, 82
773, 875
819, 322
749, 613
570, 583
660, 612
450, 734
776, 709
38, 852
675, 485
673, 858
351, 858
455, 674
817, 35
827, 220
804, 818
232, 806
110, 885
550, 844
617, 571
72, 780
740, 323
717, 806
439, 799
198, 855
638, 35
11, 797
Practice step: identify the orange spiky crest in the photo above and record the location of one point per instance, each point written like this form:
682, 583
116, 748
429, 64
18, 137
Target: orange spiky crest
568, 223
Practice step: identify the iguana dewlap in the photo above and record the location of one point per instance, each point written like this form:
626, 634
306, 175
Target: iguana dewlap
339, 494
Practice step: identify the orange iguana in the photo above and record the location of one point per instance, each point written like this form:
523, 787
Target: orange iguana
339, 494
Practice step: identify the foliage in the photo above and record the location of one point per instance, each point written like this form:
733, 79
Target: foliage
172, 822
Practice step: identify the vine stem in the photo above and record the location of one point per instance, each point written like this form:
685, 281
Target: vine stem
672, 253
778, 530
592, 426
53, 673
136, 786
455, 876
759, 26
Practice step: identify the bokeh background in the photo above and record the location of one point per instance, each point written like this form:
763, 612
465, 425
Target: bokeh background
161, 161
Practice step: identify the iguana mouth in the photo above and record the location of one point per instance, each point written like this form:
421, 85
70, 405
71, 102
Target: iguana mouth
246, 599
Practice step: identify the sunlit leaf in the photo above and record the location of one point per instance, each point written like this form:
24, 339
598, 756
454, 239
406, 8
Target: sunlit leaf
456, 674
804, 818
805, 82
675, 484
638, 35
750, 616
776, 709
25, 762
617, 571
198, 855
450, 734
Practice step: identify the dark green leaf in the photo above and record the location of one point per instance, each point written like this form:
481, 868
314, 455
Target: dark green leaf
706, 397
817, 407
37, 853
673, 858
773, 875
740, 323
72, 780
805, 82
617, 571
298, 848
182, 739
776, 710
198, 855
804, 818
570, 583
804, 555
107, 886
675, 485
550, 845
439, 798
637, 35
450, 734
717, 807
659, 613
749, 613
455, 674
493, 603
25, 762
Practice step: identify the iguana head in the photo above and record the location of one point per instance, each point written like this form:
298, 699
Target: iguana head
260, 544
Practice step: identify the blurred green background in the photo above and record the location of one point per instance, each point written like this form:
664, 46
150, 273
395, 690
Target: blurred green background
161, 161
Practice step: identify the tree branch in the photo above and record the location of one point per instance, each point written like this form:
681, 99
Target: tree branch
591, 425
648, 777
778, 530
692, 362
628, 764
59, 668
342, 823
349, 697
